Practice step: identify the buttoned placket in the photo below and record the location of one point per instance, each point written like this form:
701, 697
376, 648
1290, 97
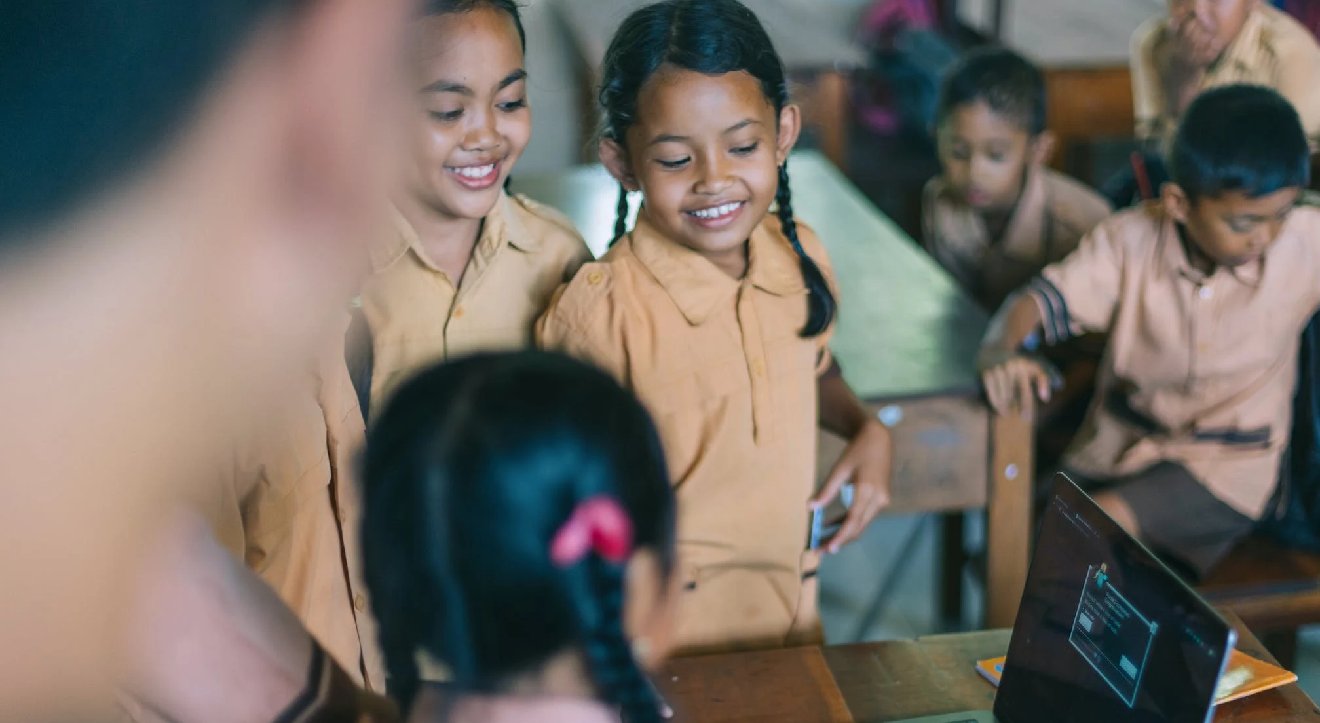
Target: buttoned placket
753, 346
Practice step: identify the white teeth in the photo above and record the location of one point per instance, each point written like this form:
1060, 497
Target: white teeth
718, 211
475, 171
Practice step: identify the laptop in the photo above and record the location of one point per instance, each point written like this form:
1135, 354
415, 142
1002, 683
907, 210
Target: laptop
1105, 632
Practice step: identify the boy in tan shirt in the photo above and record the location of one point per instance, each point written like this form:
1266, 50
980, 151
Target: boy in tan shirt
997, 215
1201, 45
1204, 296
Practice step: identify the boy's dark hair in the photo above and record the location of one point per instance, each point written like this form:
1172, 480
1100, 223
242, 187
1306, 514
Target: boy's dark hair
445, 7
1245, 138
470, 472
97, 89
712, 37
1010, 84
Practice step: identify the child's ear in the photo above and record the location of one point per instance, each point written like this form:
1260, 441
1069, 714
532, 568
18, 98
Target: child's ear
790, 126
615, 158
1042, 148
1175, 201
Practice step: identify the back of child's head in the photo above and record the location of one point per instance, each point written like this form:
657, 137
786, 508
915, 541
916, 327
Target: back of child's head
1009, 84
473, 472
446, 7
1244, 138
711, 37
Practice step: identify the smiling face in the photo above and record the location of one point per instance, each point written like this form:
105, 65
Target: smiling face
705, 153
1231, 228
985, 156
472, 121
1205, 28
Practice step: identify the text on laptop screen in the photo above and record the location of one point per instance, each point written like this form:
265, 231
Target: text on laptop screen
1105, 632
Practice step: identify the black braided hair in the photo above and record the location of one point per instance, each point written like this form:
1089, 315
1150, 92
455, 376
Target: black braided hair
820, 300
445, 7
712, 37
621, 215
471, 470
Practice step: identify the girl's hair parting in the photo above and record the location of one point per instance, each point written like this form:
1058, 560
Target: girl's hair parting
712, 37
472, 472
445, 7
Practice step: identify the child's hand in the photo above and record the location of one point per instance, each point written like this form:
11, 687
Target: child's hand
868, 464
1011, 380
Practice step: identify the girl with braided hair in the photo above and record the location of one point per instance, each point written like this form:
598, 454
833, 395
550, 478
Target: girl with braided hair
519, 543
717, 311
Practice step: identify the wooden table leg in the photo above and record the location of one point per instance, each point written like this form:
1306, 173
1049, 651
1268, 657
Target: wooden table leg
1008, 518
953, 560
831, 113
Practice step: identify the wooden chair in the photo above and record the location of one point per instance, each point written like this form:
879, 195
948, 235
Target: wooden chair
1274, 589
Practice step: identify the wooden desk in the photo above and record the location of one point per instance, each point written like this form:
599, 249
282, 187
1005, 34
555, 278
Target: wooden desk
812, 51
906, 340
888, 681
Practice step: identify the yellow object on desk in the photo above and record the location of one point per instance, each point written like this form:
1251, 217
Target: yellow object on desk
1245, 676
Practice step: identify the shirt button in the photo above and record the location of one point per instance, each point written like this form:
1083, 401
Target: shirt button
1206, 292
458, 312
758, 368
360, 602
595, 277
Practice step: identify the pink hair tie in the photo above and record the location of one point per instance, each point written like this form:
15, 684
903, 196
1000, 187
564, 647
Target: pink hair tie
597, 525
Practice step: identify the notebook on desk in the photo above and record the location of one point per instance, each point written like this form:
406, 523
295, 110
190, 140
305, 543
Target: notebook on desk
1105, 631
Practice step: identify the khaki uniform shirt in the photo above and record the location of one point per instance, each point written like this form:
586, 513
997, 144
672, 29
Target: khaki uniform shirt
1272, 49
417, 316
1052, 215
731, 384
292, 514
1199, 369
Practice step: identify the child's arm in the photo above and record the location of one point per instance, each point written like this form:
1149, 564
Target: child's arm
1009, 376
867, 462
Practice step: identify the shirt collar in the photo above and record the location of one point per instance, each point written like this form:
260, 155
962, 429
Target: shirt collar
1176, 261
697, 286
502, 225
1246, 46
1025, 233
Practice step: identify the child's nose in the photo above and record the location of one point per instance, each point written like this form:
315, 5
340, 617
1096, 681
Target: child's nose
714, 179
481, 135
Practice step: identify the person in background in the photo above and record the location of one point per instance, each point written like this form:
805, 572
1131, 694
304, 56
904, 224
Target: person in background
177, 228
1204, 295
716, 311
468, 266
1201, 44
996, 215
519, 540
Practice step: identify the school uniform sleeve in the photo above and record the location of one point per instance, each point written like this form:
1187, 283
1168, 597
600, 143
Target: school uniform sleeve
811, 243
1079, 294
1075, 210
1147, 91
579, 321
1299, 78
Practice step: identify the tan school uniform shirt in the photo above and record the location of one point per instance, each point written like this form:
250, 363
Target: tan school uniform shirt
1052, 215
418, 317
292, 514
1272, 50
731, 384
1200, 369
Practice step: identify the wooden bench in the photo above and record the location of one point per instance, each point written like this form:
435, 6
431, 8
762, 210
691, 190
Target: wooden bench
1274, 589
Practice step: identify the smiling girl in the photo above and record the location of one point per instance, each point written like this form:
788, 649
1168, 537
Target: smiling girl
716, 312
468, 267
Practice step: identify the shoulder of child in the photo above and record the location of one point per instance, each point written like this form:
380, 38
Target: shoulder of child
1075, 205
548, 222
585, 299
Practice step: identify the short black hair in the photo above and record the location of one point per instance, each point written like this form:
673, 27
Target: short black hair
97, 89
1010, 84
1245, 138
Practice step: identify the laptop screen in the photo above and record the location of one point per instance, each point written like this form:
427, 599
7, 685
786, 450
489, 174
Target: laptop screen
1106, 632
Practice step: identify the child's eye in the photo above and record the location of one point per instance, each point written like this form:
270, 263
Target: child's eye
513, 105
961, 154
746, 150
1241, 226
996, 157
672, 165
447, 116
